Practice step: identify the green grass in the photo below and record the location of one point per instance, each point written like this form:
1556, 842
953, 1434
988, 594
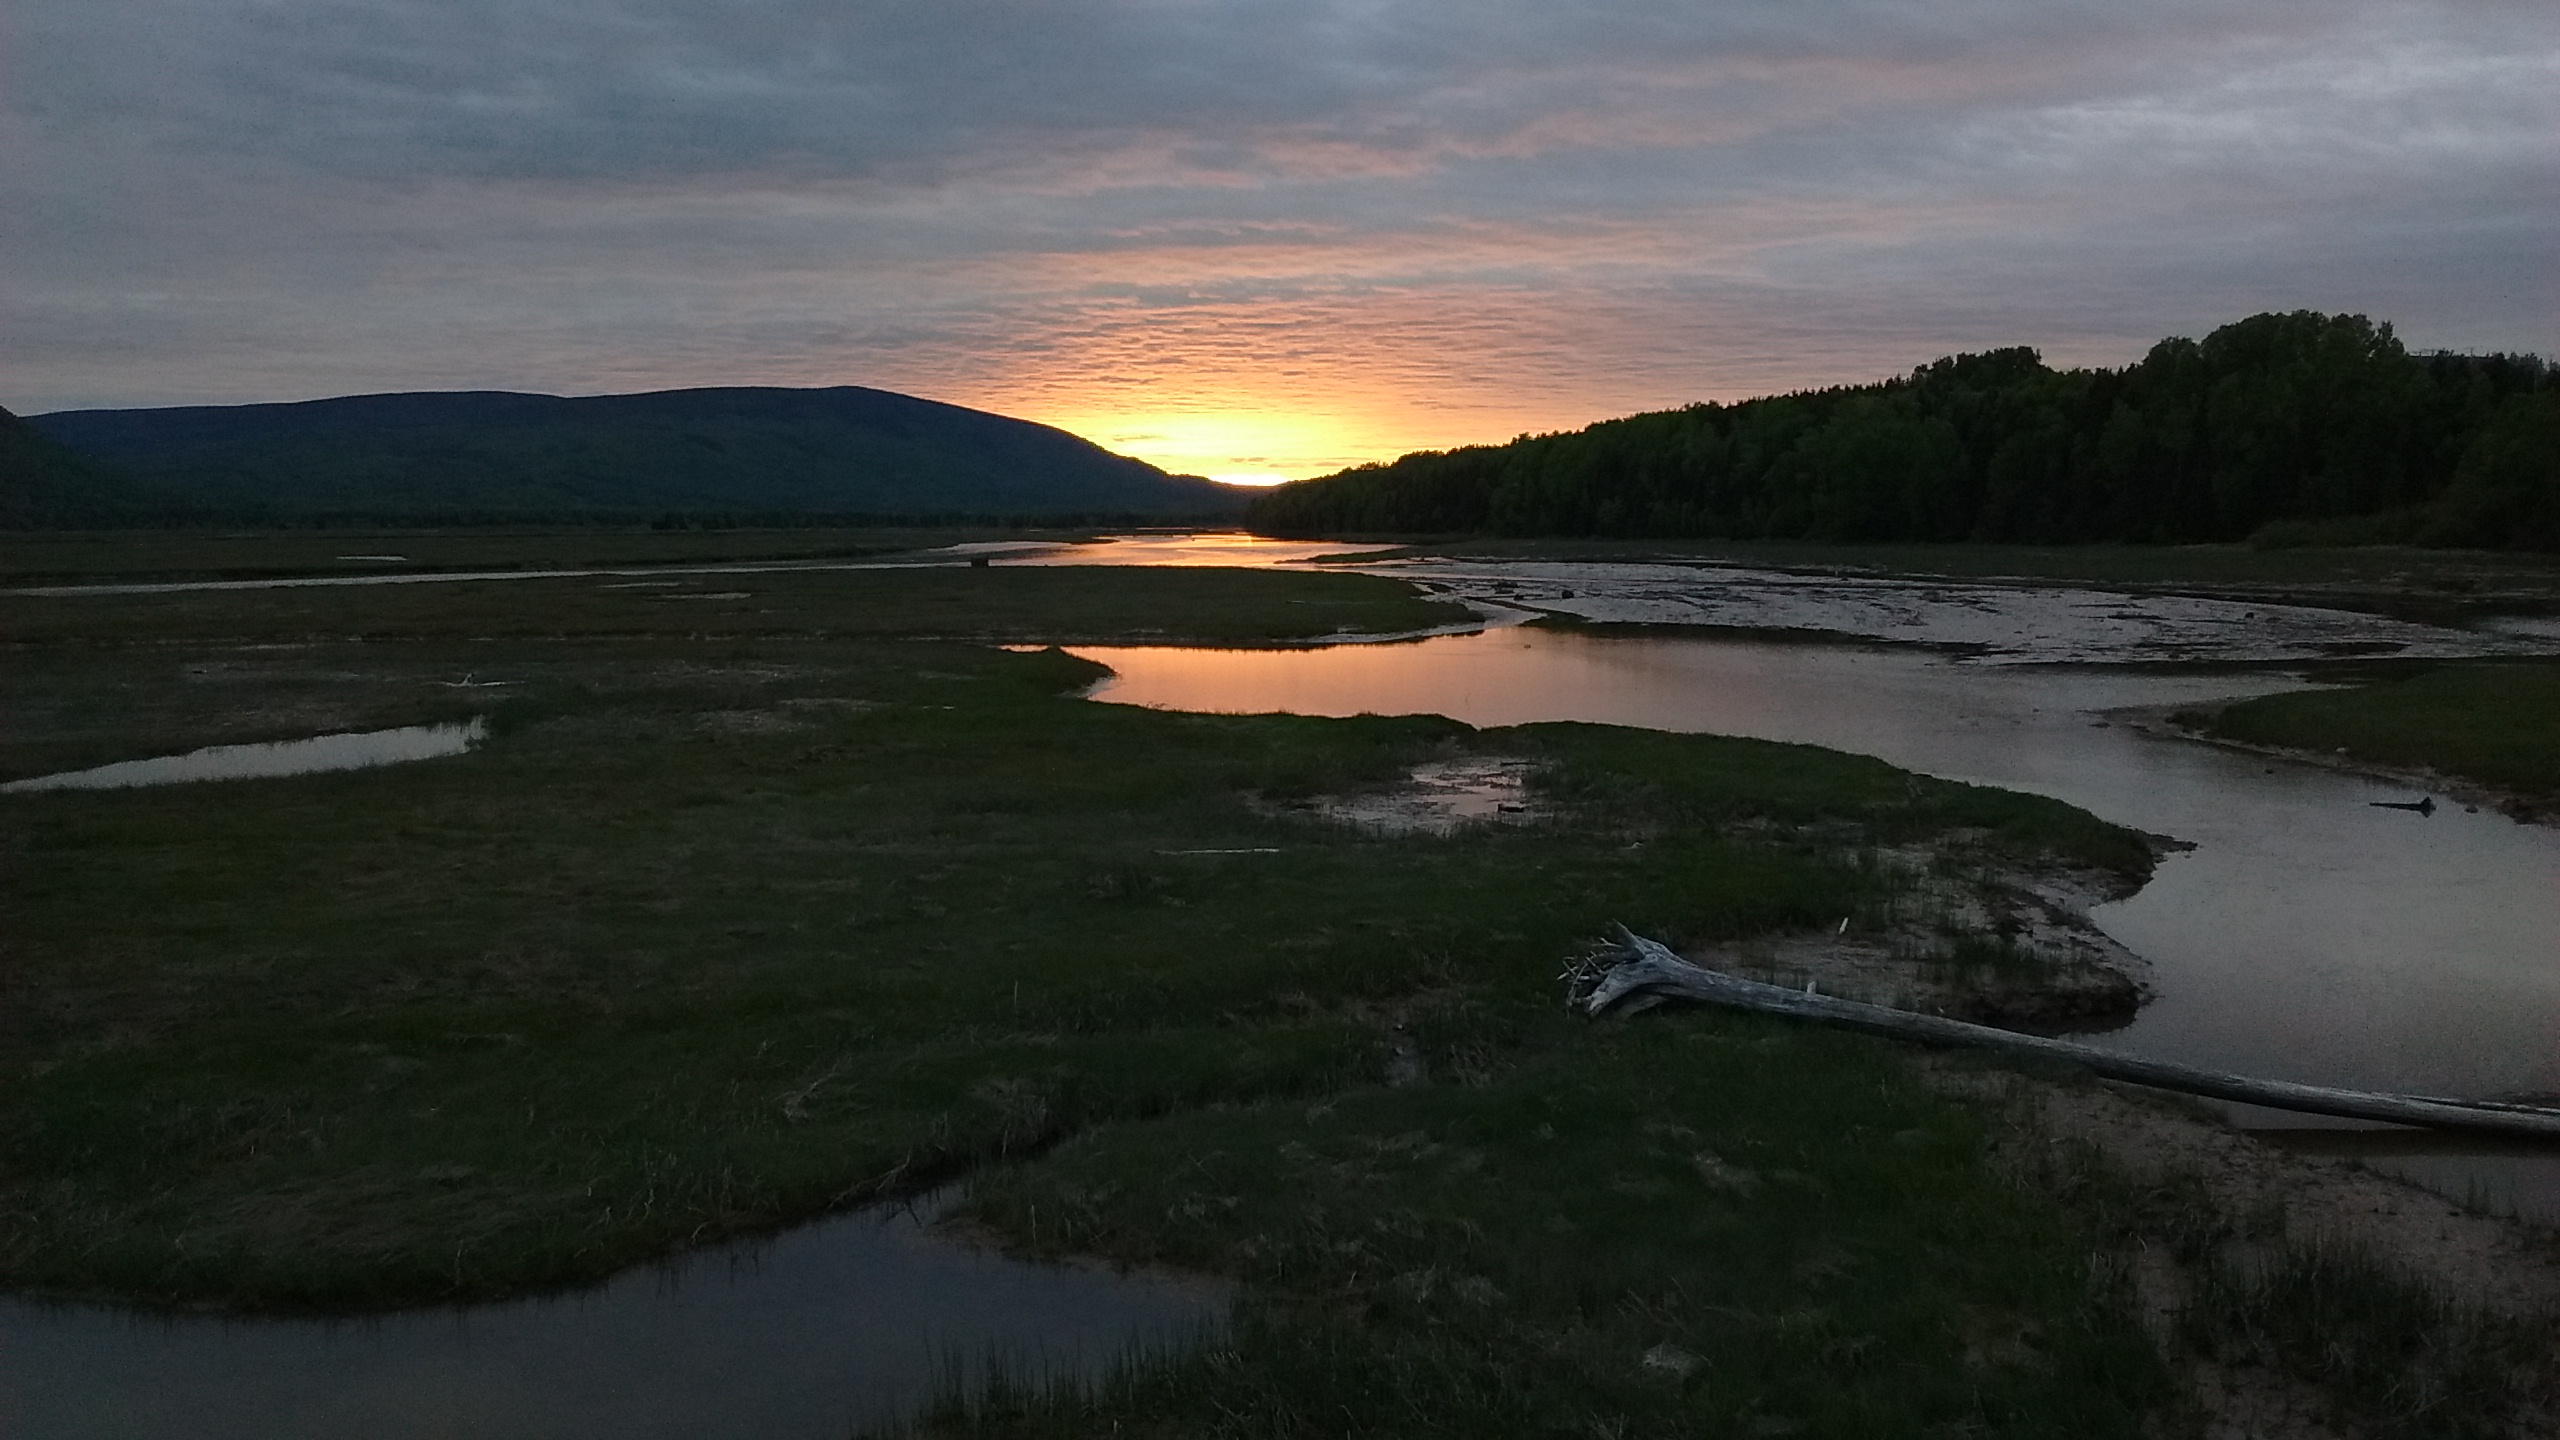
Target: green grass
1795, 1235
101, 678
1212, 606
2398, 1362
722, 930
2494, 724
70, 557
1709, 1224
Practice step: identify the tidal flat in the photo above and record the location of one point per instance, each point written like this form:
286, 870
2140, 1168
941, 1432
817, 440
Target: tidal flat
2434, 586
761, 904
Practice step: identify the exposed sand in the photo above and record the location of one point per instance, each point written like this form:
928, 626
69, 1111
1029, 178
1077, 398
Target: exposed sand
1988, 623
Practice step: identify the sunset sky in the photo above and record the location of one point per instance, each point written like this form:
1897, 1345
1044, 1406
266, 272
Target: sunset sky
1249, 240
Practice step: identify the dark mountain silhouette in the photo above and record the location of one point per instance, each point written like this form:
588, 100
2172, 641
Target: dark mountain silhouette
43, 484
494, 455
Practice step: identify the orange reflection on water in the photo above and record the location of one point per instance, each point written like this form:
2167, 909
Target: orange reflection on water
1515, 675
1499, 677
1232, 548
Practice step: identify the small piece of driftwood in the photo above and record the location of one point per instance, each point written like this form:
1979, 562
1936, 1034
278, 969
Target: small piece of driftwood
1639, 974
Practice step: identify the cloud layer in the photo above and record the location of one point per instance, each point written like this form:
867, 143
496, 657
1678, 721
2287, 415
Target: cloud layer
1242, 237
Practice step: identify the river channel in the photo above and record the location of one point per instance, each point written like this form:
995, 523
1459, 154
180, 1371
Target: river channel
2308, 935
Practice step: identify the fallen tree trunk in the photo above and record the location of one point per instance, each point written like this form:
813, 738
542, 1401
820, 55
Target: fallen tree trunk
1640, 974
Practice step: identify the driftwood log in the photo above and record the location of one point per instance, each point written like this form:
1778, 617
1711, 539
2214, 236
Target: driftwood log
1638, 974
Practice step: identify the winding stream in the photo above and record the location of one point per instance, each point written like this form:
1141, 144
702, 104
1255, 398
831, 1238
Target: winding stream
2307, 936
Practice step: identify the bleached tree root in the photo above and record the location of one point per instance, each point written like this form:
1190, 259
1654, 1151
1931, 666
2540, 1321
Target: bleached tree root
1638, 974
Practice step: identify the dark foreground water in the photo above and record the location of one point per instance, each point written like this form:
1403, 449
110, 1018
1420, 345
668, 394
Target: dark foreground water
2307, 936
851, 1322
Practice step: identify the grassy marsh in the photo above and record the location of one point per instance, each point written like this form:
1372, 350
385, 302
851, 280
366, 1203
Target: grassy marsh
1706, 1226
720, 930
745, 916
942, 601
2496, 725
96, 678
33, 557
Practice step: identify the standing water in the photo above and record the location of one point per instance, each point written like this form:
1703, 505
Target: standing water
353, 750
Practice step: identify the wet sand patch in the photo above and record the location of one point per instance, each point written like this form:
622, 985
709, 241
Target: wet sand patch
1966, 935
1440, 797
1985, 621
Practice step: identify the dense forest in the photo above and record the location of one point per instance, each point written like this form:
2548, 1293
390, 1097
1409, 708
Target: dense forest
840, 454
2283, 428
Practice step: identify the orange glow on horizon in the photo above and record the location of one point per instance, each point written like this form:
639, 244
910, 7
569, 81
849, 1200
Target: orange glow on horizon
1257, 442
1300, 352
1247, 445
1223, 365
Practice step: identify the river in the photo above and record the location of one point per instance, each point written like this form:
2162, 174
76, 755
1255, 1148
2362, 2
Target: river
2309, 935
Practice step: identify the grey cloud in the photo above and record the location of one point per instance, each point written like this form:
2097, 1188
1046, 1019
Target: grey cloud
922, 92
1636, 201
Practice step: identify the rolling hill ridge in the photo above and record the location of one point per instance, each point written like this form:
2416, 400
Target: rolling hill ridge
845, 451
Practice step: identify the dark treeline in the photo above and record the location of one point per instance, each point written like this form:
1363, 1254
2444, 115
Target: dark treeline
2295, 428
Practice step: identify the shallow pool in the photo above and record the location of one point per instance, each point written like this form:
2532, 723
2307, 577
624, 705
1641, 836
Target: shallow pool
352, 750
